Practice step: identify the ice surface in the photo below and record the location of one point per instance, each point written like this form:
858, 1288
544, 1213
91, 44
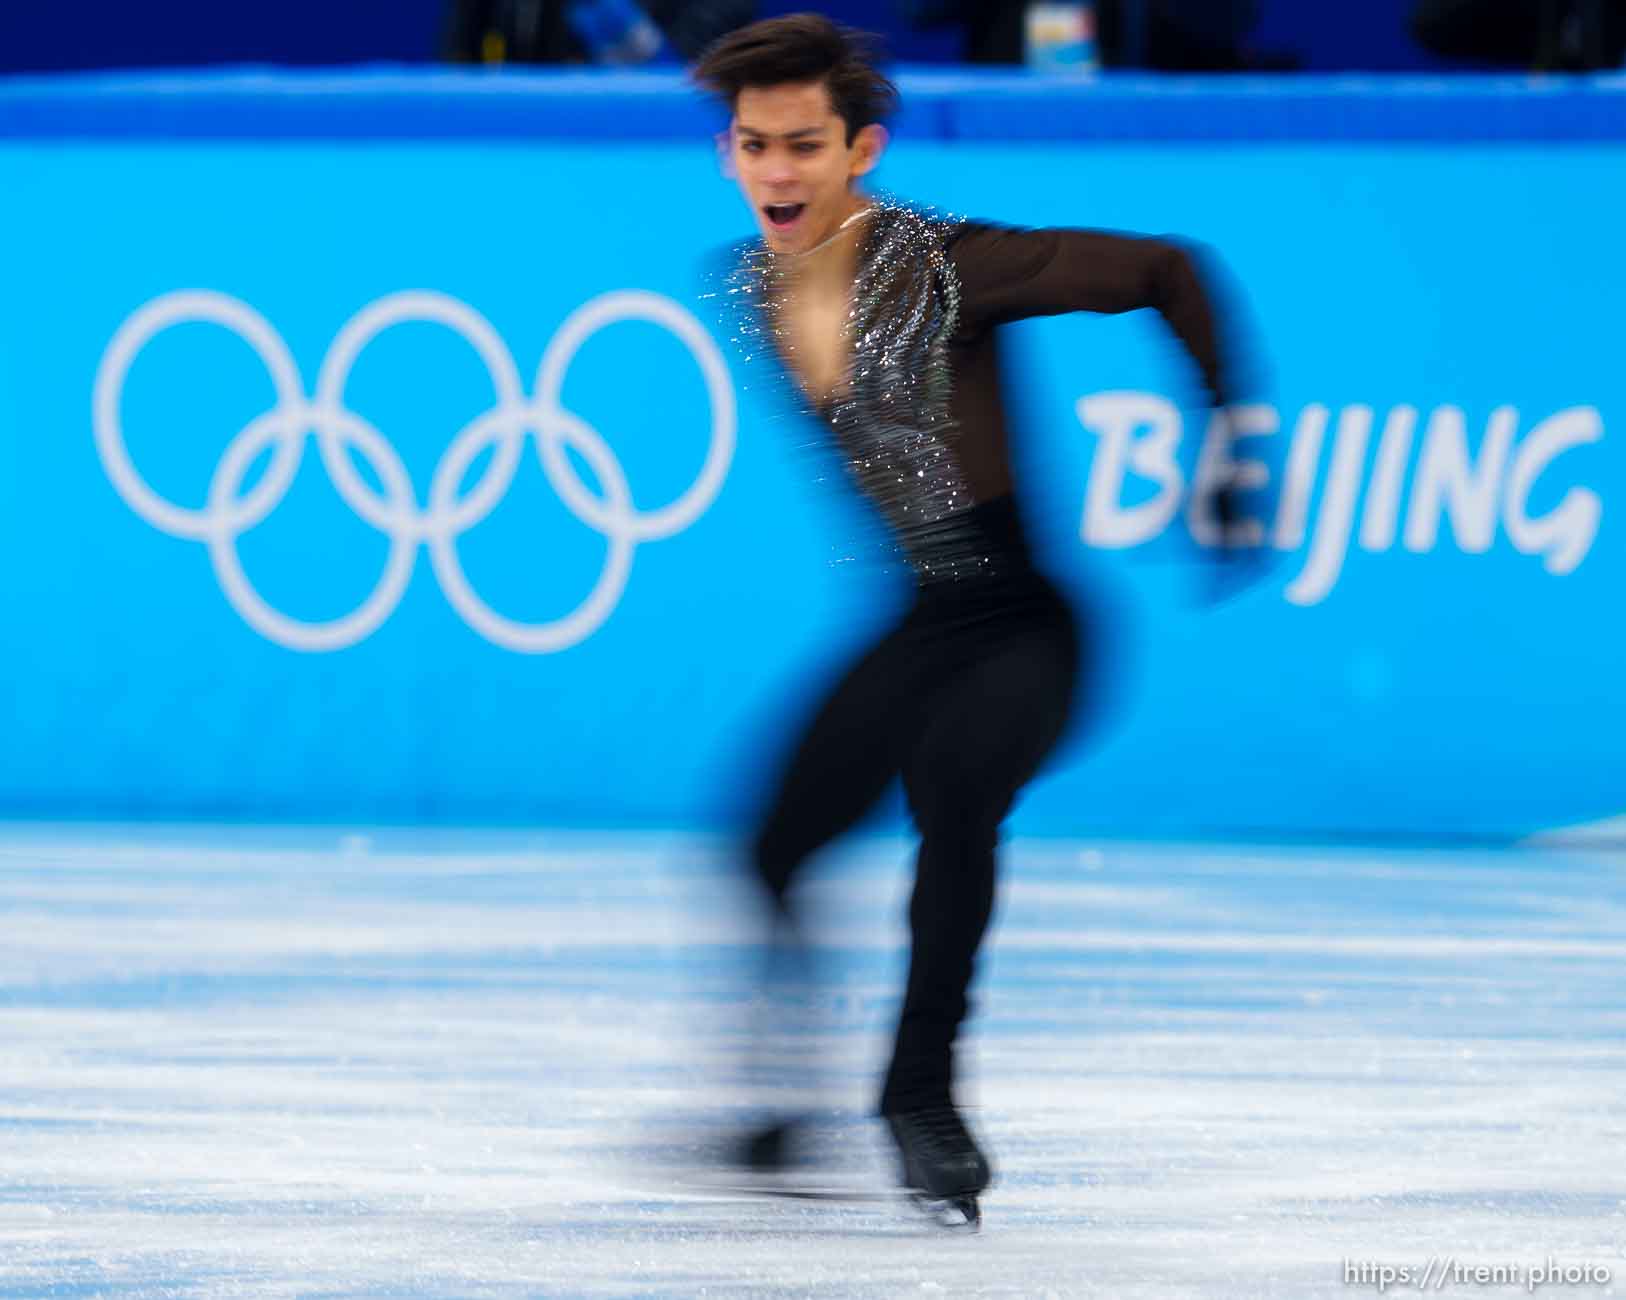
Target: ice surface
319, 1063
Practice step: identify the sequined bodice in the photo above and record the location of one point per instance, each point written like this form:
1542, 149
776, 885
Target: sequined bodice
892, 418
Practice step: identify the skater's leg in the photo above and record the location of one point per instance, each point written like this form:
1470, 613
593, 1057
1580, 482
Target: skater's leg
836, 772
840, 765
990, 729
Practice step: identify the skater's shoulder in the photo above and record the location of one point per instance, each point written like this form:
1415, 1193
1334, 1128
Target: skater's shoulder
990, 256
982, 241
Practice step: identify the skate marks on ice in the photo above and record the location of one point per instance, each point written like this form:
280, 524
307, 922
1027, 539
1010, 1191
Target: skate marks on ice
306, 1064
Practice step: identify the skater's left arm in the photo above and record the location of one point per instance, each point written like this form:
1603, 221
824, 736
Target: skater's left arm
1008, 273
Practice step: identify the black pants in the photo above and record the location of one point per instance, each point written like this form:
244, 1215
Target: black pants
964, 699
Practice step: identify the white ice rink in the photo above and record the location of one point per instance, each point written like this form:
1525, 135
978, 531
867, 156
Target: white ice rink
310, 1063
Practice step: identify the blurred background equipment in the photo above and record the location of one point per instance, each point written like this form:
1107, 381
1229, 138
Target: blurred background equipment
186, 33
617, 32
1546, 35
1167, 35
1170, 35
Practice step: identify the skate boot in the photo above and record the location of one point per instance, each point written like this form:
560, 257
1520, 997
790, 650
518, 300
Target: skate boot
780, 1159
746, 1161
944, 1170
767, 1151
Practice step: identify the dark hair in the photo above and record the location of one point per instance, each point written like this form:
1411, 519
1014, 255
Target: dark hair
802, 47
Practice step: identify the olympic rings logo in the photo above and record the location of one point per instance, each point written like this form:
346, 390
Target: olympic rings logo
229, 512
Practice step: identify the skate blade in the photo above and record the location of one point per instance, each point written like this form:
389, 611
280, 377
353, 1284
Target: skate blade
956, 1213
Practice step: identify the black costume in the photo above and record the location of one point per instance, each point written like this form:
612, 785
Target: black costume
966, 697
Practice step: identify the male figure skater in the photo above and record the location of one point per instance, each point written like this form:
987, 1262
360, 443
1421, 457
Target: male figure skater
884, 319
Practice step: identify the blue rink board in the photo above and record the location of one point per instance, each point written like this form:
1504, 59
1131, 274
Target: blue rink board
1434, 649
399, 103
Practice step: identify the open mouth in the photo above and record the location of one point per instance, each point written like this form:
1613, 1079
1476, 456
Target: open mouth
782, 216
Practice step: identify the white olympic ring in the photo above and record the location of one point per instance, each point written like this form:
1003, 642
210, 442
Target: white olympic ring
228, 513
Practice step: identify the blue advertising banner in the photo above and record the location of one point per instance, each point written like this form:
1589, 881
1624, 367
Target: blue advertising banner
415, 479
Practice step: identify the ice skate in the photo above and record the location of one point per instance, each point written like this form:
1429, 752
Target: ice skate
777, 1160
943, 1169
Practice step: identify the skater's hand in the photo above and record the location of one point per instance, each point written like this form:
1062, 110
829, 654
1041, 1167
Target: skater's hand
1235, 562
1226, 515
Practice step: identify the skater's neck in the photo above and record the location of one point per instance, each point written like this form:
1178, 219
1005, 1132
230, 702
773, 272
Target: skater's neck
829, 266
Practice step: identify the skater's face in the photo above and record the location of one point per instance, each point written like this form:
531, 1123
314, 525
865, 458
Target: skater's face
790, 153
